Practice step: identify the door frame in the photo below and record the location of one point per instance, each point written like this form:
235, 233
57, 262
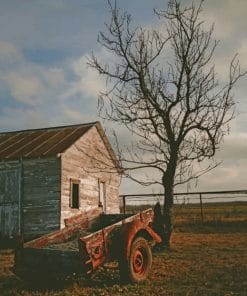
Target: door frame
102, 196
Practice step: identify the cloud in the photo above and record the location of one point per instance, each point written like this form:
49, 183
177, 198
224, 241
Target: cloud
243, 53
33, 84
72, 115
9, 54
18, 118
28, 82
55, 77
87, 80
228, 176
24, 88
229, 17
231, 174
234, 147
46, 95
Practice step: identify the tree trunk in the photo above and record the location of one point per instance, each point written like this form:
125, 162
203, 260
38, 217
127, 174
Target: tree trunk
168, 215
168, 183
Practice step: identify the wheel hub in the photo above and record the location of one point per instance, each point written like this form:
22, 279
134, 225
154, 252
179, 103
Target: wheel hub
138, 262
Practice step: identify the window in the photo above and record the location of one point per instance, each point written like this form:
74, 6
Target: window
75, 193
102, 196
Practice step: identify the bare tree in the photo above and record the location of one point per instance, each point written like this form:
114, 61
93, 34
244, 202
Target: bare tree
163, 87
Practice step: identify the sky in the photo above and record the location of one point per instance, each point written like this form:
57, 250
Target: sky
45, 81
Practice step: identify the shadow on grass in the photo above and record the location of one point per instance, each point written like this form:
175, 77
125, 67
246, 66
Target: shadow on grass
106, 276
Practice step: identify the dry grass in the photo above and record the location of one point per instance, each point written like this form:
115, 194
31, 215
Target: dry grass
211, 261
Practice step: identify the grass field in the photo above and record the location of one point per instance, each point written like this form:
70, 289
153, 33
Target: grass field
214, 217
205, 259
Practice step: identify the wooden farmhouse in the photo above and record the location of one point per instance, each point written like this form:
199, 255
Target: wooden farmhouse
49, 175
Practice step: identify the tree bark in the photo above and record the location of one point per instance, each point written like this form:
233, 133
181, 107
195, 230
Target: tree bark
168, 183
168, 209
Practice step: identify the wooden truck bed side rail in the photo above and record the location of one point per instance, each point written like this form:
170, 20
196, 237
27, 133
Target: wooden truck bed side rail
36, 256
72, 225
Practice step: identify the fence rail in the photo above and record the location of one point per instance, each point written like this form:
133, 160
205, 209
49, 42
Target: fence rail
200, 198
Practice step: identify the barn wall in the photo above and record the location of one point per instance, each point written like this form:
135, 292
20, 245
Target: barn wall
41, 196
10, 193
89, 162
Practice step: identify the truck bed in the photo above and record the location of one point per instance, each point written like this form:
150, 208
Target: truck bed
52, 260
57, 253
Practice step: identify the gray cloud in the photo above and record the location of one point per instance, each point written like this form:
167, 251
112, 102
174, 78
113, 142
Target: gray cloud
45, 95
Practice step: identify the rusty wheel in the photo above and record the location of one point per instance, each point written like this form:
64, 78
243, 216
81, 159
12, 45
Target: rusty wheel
137, 268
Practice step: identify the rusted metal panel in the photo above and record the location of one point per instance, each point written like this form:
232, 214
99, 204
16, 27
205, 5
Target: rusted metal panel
8, 140
40, 142
68, 140
53, 143
10, 189
38, 139
13, 146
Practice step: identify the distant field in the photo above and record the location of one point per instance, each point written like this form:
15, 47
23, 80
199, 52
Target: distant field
215, 216
207, 258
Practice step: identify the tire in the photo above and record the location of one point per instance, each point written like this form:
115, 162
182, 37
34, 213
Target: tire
137, 267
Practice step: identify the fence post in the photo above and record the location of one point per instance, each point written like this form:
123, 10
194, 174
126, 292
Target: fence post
124, 204
201, 205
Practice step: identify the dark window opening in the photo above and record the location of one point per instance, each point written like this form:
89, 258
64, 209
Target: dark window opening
75, 196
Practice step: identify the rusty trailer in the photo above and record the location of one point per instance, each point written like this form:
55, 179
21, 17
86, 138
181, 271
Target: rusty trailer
125, 238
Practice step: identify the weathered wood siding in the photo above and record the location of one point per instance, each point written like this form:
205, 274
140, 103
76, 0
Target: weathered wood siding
39, 195
10, 193
88, 161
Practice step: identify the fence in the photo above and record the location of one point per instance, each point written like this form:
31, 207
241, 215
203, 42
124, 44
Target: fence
189, 200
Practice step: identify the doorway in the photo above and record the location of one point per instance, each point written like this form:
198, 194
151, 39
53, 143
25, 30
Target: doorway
102, 196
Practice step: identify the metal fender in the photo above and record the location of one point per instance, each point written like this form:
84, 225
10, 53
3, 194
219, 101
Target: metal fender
129, 232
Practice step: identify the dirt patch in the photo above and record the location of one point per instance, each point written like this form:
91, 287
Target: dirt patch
6, 262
